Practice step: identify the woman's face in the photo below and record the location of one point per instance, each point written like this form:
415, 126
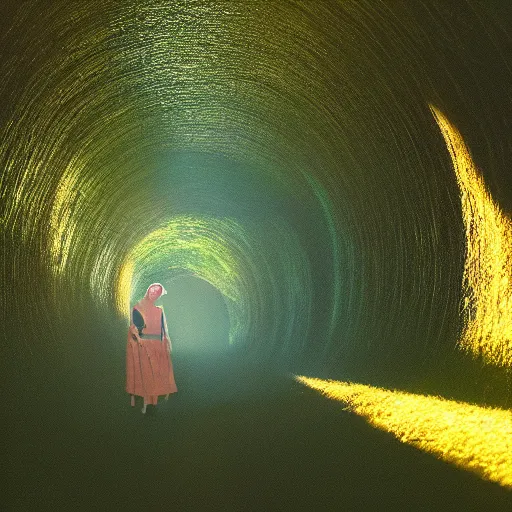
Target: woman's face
154, 292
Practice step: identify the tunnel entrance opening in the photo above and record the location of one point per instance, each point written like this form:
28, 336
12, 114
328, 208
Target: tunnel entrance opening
197, 317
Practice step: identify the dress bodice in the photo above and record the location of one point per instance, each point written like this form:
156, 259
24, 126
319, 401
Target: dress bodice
149, 322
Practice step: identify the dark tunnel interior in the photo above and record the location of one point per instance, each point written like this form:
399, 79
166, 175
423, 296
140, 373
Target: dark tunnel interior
283, 169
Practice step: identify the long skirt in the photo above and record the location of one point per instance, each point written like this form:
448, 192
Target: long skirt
149, 370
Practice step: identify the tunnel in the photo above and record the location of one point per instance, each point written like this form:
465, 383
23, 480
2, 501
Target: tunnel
323, 189
199, 315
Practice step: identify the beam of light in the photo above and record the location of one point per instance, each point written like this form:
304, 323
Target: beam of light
474, 438
487, 284
124, 284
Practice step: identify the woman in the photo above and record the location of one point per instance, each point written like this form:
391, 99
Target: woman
149, 370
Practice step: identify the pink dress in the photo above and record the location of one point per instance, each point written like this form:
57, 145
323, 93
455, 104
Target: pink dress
149, 370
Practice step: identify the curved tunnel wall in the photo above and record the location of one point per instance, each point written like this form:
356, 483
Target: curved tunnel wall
285, 152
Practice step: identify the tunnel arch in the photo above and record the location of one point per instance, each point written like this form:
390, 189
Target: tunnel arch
359, 263
256, 275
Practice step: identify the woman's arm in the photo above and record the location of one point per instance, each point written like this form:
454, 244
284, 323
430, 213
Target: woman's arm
134, 334
165, 331
138, 320
133, 331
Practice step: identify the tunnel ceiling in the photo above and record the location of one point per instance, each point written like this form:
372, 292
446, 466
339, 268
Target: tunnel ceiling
283, 151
